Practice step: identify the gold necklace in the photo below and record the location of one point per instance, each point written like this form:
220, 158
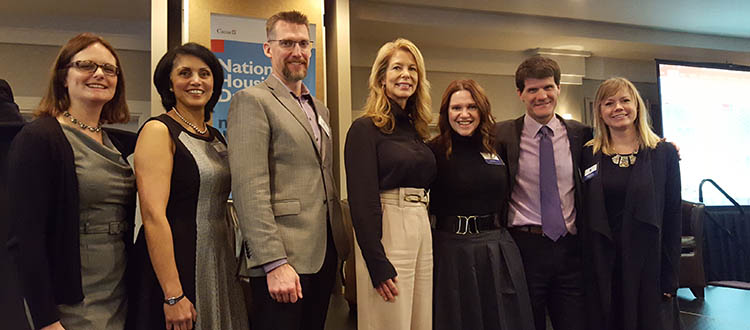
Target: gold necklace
624, 160
193, 126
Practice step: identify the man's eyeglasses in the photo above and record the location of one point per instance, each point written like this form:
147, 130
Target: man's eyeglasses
289, 44
91, 67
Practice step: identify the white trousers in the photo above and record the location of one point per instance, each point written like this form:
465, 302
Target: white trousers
407, 240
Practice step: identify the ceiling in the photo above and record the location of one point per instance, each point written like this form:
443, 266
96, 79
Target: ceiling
131, 17
695, 30
625, 29
716, 17
138, 10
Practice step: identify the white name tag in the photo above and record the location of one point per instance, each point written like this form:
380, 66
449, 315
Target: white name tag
324, 126
590, 172
491, 159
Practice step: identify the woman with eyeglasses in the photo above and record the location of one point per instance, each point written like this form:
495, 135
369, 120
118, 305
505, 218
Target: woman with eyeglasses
184, 257
388, 168
73, 193
479, 279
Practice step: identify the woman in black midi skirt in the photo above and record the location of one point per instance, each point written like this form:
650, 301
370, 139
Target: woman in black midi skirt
479, 281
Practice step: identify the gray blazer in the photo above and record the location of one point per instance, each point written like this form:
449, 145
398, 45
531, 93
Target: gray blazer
282, 184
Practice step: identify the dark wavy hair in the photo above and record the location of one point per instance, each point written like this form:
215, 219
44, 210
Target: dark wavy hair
56, 100
537, 67
163, 82
486, 120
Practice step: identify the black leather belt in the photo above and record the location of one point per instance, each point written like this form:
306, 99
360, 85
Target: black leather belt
529, 229
461, 224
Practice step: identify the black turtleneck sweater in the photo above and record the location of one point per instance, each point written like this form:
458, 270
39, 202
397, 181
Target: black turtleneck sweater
374, 162
466, 184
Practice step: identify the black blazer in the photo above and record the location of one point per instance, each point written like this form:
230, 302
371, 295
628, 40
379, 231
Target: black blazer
44, 207
650, 238
508, 142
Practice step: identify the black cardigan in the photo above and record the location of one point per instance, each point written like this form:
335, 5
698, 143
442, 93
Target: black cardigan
44, 207
650, 238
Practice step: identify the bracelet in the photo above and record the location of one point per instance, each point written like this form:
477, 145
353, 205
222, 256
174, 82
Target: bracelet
173, 300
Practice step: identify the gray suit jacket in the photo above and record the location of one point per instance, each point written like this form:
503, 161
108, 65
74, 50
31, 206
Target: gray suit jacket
282, 185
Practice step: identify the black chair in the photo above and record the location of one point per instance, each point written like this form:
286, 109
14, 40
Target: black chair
692, 273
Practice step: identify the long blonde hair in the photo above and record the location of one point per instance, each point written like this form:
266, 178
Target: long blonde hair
378, 108
601, 141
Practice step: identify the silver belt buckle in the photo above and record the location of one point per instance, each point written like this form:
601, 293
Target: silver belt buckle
464, 226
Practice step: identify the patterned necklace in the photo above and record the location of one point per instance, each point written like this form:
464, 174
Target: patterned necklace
83, 125
624, 160
193, 126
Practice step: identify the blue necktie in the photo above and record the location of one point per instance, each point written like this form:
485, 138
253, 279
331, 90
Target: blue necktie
553, 223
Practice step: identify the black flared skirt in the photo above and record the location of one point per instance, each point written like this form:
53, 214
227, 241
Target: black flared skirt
479, 282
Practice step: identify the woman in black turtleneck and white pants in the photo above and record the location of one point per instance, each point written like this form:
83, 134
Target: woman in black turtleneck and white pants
388, 168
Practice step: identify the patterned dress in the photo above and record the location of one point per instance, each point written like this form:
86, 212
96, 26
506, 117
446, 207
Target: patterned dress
202, 238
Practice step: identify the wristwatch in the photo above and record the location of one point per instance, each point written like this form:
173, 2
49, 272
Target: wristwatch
173, 300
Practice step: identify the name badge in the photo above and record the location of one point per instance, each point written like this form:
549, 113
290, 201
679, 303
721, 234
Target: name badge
324, 126
590, 172
219, 147
491, 159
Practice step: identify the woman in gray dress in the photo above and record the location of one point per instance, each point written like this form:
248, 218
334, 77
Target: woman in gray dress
184, 253
73, 193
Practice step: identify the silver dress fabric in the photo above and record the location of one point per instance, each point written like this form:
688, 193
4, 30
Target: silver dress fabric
220, 303
106, 184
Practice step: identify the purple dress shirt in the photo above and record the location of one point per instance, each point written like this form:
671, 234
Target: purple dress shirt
525, 207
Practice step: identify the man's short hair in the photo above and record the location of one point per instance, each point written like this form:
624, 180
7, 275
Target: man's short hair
537, 67
292, 16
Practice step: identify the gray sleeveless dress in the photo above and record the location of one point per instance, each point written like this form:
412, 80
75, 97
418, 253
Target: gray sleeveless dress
106, 185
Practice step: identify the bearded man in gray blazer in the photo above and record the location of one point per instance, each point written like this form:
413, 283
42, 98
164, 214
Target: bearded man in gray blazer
280, 155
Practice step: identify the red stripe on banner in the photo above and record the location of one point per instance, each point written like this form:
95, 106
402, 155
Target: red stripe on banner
217, 46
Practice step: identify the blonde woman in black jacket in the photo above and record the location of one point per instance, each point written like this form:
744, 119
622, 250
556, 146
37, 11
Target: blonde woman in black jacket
632, 233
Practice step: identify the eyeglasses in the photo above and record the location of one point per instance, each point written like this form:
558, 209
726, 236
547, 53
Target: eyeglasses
91, 67
289, 44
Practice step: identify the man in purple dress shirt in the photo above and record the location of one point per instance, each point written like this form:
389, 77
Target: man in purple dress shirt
543, 151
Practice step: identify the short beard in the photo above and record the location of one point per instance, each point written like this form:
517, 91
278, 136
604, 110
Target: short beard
294, 76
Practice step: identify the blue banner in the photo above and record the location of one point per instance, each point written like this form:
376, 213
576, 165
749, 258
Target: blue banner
238, 44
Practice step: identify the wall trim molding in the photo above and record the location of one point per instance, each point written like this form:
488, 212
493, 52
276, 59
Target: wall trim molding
57, 37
